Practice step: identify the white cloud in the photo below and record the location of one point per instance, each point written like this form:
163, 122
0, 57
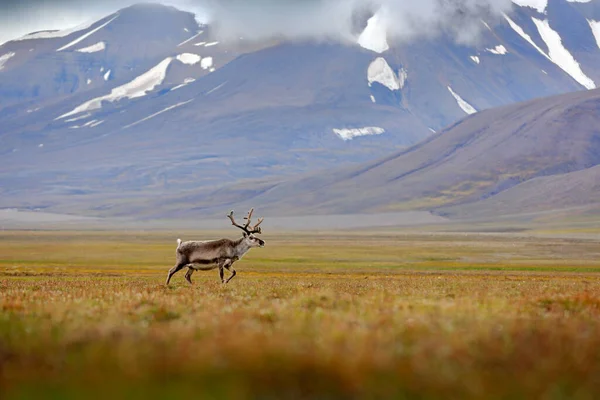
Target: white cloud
335, 19
267, 19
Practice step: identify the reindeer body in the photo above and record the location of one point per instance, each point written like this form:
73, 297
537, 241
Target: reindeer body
211, 252
221, 253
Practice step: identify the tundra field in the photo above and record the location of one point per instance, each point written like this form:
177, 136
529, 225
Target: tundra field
328, 316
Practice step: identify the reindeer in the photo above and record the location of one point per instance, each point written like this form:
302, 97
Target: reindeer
220, 253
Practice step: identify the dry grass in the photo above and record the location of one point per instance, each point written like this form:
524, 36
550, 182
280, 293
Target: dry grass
333, 316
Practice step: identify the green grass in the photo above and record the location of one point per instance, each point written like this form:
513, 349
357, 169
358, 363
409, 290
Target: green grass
86, 315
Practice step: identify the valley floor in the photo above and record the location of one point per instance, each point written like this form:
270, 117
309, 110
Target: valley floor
339, 315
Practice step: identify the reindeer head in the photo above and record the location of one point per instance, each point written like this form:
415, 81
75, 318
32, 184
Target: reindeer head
249, 237
253, 241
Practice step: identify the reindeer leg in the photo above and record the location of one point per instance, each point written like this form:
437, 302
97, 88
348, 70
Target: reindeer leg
221, 272
229, 266
188, 275
173, 270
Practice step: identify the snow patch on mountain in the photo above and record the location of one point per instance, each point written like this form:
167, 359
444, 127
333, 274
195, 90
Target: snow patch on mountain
55, 34
524, 35
5, 58
402, 77
539, 5
499, 50
595, 26
216, 88
87, 34
93, 48
349, 134
190, 39
189, 58
211, 44
374, 36
379, 71
466, 107
138, 87
84, 116
206, 63
560, 56
186, 81
158, 113
475, 59
200, 44
89, 123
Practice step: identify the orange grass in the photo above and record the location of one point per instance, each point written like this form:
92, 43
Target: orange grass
305, 318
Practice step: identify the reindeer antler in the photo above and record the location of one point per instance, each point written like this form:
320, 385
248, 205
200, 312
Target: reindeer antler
255, 228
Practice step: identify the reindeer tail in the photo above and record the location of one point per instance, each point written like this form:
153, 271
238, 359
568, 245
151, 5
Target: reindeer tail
178, 242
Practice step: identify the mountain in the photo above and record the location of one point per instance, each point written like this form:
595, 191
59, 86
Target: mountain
571, 190
147, 103
534, 156
47, 66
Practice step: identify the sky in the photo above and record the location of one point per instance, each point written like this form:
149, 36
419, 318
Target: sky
265, 19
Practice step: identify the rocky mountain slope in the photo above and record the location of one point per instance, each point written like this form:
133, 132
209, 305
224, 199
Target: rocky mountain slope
96, 116
534, 156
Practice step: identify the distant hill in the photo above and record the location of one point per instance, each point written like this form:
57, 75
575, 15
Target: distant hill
548, 193
539, 155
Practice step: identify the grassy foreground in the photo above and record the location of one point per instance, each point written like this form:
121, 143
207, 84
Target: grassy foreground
86, 315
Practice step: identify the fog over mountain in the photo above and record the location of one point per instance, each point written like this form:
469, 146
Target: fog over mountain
268, 19
333, 19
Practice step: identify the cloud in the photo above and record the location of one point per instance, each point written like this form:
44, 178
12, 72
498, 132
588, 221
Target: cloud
332, 20
337, 19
